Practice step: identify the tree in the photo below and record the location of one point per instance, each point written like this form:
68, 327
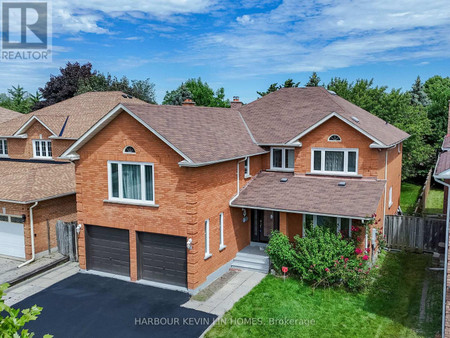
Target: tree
438, 90
289, 83
200, 92
418, 95
141, 89
314, 80
64, 86
177, 96
17, 99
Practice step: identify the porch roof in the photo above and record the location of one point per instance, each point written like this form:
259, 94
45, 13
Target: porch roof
359, 198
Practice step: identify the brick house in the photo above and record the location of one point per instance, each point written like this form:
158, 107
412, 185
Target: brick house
442, 176
171, 194
38, 188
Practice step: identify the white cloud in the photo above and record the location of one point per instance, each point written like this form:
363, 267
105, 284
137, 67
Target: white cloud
318, 35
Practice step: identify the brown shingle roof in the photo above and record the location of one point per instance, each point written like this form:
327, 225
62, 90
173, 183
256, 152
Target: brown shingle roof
81, 113
282, 115
29, 181
6, 114
443, 163
359, 198
201, 133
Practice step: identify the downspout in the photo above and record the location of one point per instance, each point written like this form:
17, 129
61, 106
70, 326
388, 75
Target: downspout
237, 173
32, 237
385, 187
444, 293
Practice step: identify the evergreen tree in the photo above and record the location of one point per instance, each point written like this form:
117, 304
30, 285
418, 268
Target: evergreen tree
289, 83
314, 80
418, 95
177, 96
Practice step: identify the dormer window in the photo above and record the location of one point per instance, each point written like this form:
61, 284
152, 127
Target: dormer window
129, 150
282, 159
334, 138
42, 149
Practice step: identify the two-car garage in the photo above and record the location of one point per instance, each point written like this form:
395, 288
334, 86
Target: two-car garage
160, 258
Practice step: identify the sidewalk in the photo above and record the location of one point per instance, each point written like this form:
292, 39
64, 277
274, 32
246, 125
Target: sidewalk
36, 284
224, 299
9, 267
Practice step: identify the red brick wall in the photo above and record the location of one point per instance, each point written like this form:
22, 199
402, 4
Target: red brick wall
186, 197
394, 178
23, 148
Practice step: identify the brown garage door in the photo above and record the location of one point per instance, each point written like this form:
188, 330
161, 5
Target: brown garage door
162, 258
107, 250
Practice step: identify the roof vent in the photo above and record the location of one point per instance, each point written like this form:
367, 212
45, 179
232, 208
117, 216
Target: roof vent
332, 92
342, 184
284, 180
130, 97
354, 118
124, 95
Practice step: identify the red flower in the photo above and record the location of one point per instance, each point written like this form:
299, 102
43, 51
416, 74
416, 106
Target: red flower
342, 257
346, 259
360, 264
358, 239
358, 251
367, 250
326, 269
365, 257
284, 269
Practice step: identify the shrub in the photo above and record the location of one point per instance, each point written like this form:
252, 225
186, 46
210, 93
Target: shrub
321, 258
280, 251
12, 323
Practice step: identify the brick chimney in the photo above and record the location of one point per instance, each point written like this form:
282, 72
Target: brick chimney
235, 104
188, 102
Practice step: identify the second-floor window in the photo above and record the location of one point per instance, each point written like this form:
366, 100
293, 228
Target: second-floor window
334, 161
3, 147
131, 181
42, 148
282, 159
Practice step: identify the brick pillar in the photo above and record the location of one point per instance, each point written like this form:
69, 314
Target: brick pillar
283, 223
133, 256
193, 255
82, 248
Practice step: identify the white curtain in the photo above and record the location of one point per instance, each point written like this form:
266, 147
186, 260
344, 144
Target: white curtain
334, 161
131, 179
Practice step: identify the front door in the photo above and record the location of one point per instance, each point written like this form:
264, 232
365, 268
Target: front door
263, 222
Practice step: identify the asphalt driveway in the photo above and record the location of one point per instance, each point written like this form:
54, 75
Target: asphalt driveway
86, 305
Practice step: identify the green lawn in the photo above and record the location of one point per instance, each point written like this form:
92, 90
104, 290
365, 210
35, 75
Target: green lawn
435, 202
409, 195
391, 308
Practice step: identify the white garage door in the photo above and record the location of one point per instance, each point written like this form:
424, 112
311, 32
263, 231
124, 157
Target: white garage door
12, 241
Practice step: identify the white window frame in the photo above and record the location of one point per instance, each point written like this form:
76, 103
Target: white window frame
222, 239
4, 142
329, 138
247, 168
283, 159
390, 197
143, 185
207, 252
129, 153
338, 173
47, 142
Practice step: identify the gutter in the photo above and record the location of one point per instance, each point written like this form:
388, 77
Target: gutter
33, 253
202, 164
444, 293
38, 200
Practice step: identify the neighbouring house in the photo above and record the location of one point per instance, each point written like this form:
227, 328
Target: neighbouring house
442, 176
38, 188
171, 194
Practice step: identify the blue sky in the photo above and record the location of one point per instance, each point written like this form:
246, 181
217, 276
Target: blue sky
246, 45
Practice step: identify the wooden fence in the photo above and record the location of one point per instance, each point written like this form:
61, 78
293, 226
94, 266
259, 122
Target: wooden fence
414, 233
66, 237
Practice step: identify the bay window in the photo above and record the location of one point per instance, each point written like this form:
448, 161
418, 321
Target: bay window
42, 148
282, 159
334, 224
131, 181
334, 161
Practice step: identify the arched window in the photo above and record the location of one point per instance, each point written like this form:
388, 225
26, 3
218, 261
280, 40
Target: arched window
129, 150
334, 138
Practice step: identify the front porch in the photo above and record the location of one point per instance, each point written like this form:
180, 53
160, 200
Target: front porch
252, 257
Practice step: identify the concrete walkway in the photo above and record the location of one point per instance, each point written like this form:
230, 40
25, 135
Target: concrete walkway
224, 299
9, 267
42, 281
